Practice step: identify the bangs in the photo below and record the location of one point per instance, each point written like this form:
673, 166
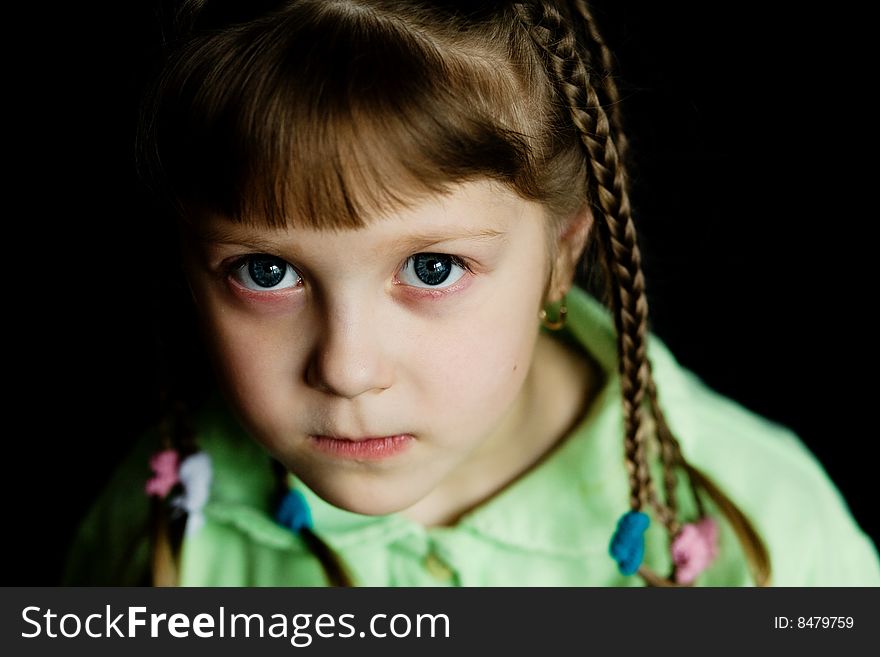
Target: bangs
330, 114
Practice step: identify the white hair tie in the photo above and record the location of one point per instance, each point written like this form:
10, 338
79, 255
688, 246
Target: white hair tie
195, 475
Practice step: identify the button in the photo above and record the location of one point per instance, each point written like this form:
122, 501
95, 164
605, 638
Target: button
437, 569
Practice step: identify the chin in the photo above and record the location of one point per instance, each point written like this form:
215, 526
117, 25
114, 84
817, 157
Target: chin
369, 498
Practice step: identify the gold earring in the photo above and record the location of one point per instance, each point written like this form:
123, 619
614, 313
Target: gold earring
560, 320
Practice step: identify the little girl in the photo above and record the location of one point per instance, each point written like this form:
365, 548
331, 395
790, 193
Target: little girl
382, 208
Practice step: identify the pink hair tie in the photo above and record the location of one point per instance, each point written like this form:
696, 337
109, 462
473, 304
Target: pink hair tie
165, 472
694, 548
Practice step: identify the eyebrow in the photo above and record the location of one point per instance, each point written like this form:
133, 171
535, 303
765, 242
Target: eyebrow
427, 239
223, 235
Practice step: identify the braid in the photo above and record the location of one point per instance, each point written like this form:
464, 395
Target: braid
670, 452
334, 568
599, 56
607, 186
168, 523
600, 132
755, 550
602, 59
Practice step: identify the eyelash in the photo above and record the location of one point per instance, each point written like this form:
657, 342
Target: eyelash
229, 268
439, 291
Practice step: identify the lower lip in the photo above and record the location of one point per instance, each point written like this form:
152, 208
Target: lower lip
372, 449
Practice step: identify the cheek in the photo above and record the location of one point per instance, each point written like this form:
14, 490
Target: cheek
503, 350
475, 370
256, 359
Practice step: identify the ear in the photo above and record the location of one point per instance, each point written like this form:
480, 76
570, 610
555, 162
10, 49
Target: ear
571, 242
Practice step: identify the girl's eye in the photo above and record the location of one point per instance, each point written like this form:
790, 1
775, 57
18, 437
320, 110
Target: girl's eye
265, 273
432, 269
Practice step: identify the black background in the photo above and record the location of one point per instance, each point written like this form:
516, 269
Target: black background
752, 206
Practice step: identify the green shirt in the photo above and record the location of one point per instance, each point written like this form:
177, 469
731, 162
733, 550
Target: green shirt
551, 527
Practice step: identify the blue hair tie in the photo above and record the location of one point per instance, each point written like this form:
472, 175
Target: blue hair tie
293, 512
628, 543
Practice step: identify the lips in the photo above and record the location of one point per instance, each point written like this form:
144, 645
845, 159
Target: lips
371, 448
355, 439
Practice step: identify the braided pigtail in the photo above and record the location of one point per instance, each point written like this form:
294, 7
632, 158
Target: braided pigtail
600, 60
169, 516
163, 564
607, 182
575, 53
293, 512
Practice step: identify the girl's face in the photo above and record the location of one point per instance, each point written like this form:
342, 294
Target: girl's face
423, 326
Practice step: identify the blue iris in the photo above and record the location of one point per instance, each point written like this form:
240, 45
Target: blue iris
267, 271
432, 268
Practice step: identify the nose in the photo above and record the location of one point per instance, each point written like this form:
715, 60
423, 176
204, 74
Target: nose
349, 358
